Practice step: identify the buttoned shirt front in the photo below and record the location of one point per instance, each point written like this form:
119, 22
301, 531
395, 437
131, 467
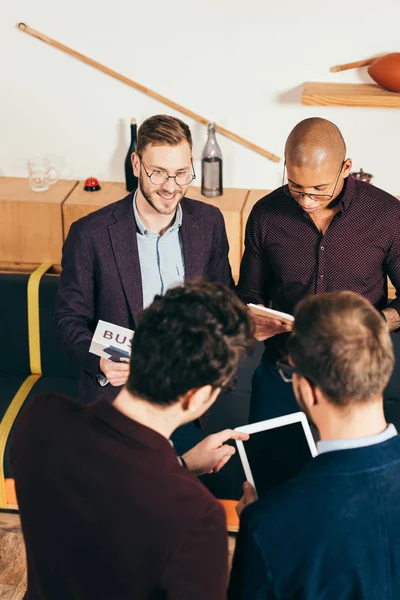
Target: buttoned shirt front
160, 256
287, 258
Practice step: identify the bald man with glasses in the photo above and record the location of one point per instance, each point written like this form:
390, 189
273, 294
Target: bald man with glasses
322, 231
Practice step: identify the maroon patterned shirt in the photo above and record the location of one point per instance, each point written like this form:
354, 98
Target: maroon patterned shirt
287, 258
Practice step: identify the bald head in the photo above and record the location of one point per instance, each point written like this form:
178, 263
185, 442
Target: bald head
314, 142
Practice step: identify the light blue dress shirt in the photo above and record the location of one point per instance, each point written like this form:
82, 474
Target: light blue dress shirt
161, 261
160, 257
331, 445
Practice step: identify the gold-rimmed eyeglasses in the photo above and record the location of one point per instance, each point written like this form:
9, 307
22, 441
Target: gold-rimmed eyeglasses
159, 176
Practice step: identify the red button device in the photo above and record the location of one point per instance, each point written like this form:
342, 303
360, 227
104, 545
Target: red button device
91, 185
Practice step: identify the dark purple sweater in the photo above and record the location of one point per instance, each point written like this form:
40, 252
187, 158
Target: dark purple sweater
107, 510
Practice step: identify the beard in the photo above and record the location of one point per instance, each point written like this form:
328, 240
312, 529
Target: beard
155, 200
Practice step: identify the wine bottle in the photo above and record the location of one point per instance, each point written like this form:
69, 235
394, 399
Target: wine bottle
211, 166
130, 179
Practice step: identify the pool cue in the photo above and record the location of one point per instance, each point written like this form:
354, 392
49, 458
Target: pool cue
145, 90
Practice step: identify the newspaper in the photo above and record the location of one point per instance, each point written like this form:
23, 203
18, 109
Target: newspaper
111, 341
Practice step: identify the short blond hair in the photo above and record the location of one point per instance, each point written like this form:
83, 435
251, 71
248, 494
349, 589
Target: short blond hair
162, 130
341, 344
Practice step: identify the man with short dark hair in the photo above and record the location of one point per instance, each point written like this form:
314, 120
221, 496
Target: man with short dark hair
332, 532
116, 259
322, 231
107, 510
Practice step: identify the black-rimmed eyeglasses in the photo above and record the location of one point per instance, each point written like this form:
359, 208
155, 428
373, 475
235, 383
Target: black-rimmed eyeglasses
159, 177
297, 195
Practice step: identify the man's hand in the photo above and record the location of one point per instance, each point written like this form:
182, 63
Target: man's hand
266, 327
392, 318
249, 496
211, 454
116, 372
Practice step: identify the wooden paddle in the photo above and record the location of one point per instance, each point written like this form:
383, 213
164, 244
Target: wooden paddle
145, 90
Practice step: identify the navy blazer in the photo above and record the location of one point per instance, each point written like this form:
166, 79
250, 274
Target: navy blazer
101, 277
332, 533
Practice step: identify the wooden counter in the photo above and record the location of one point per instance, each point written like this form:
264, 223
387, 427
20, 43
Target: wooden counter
231, 205
31, 222
33, 225
81, 203
252, 197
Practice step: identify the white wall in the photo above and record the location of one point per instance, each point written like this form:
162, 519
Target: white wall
238, 63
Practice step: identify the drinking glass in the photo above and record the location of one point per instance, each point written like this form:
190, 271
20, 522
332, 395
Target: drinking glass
41, 174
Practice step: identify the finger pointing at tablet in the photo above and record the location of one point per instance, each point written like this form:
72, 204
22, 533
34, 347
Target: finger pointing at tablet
211, 454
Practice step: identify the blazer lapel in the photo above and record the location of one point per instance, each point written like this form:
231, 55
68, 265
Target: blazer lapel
124, 244
192, 241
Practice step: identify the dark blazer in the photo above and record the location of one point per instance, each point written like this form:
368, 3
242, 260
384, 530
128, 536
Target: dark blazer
101, 277
330, 534
107, 511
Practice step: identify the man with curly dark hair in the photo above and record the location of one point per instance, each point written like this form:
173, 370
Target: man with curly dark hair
108, 510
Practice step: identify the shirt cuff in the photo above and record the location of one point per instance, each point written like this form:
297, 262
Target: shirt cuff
182, 461
102, 379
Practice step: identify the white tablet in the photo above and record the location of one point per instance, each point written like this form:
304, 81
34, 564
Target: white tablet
263, 311
276, 451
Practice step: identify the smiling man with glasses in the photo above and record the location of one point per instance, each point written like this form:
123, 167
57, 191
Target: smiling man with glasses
321, 231
117, 259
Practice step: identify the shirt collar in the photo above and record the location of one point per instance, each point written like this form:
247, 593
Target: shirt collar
371, 440
180, 461
346, 195
140, 225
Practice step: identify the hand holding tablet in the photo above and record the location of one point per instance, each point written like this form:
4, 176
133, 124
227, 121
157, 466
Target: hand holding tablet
269, 322
263, 311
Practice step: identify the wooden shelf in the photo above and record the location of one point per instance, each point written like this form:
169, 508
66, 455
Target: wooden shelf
348, 94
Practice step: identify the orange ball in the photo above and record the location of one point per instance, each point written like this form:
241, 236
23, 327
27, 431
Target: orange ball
386, 71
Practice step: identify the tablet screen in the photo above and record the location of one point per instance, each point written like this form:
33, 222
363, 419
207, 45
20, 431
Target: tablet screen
276, 455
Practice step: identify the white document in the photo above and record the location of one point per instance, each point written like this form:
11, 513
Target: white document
111, 341
270, 312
